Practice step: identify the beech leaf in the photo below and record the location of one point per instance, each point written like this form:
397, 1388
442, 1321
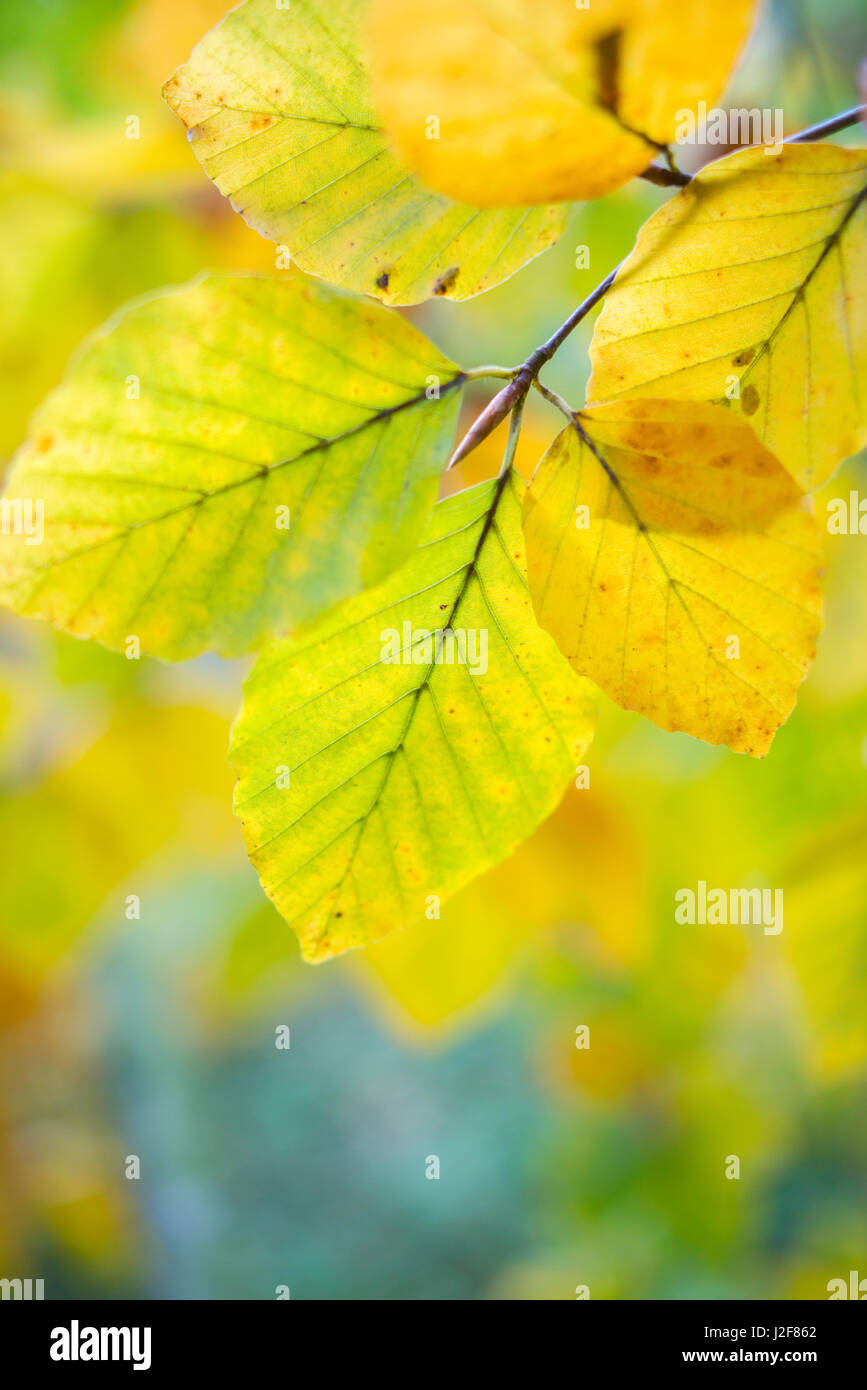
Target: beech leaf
225, 461
749, 288
672, 558
378, 771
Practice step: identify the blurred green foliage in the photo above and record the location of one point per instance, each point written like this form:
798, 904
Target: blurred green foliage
155, 1036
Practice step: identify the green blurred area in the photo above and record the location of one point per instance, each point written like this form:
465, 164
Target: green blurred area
155, 1035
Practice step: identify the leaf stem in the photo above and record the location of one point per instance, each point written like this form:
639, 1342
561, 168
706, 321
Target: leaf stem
556, 400
512, 441
476, 373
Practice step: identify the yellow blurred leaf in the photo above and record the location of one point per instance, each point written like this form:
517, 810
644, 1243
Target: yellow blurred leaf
753, 279
156, 35
101, 157
826, 941
156, 776
581, 868
671, 557
495, 102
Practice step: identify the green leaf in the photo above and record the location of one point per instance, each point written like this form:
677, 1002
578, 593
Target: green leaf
408, 776
277, 104
193, 430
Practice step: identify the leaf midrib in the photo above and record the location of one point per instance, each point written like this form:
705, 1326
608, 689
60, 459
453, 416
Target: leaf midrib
391, 755
671, 583
265, 470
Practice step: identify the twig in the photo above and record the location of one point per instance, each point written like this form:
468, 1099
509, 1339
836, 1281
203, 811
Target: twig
672, 177
523, 377
829, 127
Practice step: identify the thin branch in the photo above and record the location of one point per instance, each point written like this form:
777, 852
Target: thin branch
672, 177
536, 361
523, 377
829, 127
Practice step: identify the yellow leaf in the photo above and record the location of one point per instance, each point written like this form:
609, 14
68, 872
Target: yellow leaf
753, 279
671, 557
493, 102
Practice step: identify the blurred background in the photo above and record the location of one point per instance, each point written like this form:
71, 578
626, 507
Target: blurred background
155, 1037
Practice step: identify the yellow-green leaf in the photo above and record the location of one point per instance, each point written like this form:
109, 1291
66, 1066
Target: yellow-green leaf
226, 461
378, 771
533, 104
277, 105
673, 559
753, 279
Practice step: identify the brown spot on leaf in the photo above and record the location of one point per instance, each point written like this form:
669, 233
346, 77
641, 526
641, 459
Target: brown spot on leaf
744, 357
750, 399
382, 280
646, 437
446, 280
